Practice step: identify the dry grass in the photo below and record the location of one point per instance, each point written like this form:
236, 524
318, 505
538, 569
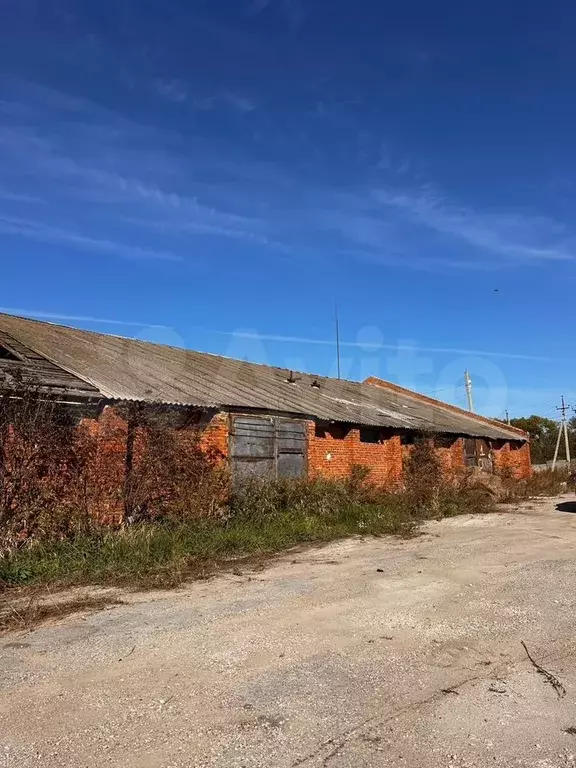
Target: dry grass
25, 614
546, 483
262, 518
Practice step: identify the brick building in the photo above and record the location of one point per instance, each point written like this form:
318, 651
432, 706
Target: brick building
265, 421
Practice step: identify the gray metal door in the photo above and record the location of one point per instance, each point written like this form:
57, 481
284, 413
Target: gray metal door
253, 448
290, 448
267, 447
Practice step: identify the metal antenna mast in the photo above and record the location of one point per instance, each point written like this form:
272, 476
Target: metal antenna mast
337, 336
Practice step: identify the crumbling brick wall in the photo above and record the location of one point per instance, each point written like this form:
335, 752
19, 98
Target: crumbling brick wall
452, 457
515, 455
107, 472
513, 458
333, 451
107, 468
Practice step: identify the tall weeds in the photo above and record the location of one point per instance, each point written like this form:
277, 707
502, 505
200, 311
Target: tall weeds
43, 461
180, 516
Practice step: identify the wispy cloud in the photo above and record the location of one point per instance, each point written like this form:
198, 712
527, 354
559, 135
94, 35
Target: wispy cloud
17, 197
168, 211
293, 10
373, 346
233, 101
180, 225
42, 315
170, 89
179, 91
44, 233
100, 167
512, 235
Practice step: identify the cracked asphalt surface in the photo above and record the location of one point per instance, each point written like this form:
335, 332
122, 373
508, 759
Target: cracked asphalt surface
320, 660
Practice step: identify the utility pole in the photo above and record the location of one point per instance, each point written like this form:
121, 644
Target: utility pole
468, 385
563, 430
507, 417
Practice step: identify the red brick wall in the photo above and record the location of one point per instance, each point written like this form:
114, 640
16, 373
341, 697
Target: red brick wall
335, 454
332, 455
108, 468
518, 460
215, 435
452, 457
513, 459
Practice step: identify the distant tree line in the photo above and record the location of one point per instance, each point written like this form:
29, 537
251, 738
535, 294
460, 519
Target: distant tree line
544, 434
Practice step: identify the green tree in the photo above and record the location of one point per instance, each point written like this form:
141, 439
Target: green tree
543, 436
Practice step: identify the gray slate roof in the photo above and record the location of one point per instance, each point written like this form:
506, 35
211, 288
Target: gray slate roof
130, 370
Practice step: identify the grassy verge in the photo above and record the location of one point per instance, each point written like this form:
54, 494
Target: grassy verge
548, 482
264, 520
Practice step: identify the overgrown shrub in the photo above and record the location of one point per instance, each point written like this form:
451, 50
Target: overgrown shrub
548, 482
424, 480
173, 477
55, 477
179, 510
43, 458
258, 500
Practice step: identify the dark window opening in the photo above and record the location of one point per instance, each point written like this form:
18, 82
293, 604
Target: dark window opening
514, 446
335, 431
408, 438
7, 354
444, 441
370, 435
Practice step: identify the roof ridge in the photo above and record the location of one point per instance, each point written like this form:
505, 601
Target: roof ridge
377, 382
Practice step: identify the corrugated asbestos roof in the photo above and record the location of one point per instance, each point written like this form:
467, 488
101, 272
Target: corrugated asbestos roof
127, 369
33, 367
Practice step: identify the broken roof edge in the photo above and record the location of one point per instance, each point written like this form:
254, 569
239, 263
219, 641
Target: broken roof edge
383, 384
260, 411
145, 342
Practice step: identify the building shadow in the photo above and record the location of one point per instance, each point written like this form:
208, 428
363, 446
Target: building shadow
567, 506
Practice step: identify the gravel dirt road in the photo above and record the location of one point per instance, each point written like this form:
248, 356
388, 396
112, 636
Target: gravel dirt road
362, 653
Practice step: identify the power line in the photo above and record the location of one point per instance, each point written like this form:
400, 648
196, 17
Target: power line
443, 389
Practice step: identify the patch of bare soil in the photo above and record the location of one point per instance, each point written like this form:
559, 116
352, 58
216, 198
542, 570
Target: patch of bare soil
454, 649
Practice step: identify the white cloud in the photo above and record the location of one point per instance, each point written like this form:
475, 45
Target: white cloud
34, 230
42, 315
233, 101
237, 102
17, 197
171, 209
515, 236
400, 347
170, 89
293, 10
96, 163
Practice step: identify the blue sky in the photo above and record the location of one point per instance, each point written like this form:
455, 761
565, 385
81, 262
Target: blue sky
216, 174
